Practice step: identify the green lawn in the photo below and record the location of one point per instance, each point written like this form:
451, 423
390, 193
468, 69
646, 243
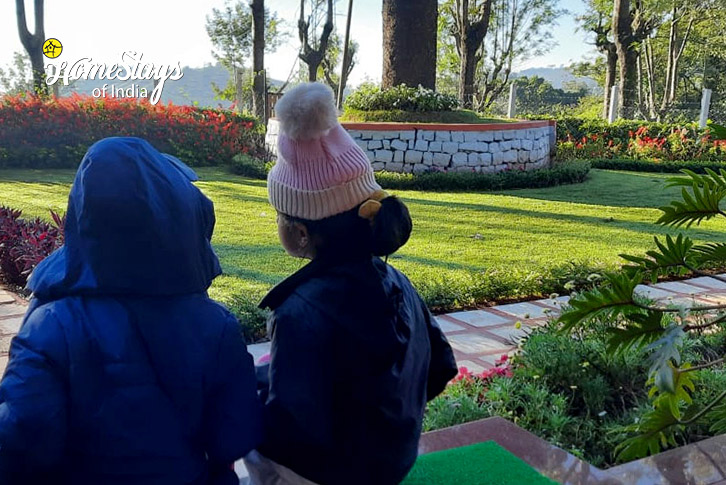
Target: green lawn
466, 247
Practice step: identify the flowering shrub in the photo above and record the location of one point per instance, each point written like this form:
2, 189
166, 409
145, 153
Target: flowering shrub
52, 133
25, 243
369, 97
659, 142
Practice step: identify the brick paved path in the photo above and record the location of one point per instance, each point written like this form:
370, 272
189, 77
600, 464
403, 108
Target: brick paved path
478, 337
12, 310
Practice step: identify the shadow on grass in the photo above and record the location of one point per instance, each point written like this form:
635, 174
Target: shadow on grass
643, 227
608, 188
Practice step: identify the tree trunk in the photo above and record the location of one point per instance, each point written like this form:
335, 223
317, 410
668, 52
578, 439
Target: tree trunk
610, 76
470, 38
627, 57
33, 43
409, 42
310, 56
259, 90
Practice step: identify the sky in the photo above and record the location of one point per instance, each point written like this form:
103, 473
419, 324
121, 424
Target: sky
170, 31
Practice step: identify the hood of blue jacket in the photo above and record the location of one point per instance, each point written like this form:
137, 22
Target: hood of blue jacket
135, 225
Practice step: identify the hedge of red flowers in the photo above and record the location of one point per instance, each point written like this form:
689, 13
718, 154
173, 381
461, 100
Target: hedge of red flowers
55, 132
25, 242
596, 139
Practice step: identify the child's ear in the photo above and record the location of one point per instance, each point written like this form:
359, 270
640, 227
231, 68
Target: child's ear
301, 234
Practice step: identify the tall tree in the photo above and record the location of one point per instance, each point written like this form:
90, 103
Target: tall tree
631, 24
469, 28
258, 59
313, 53
519, 30
33, 43
409, 42
231, 32
331, 66
597, 21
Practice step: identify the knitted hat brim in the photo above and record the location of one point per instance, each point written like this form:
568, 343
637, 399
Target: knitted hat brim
319, 204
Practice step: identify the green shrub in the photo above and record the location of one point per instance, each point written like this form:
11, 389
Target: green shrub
369, 97
400, 116
562, 173
698, 166
249, 166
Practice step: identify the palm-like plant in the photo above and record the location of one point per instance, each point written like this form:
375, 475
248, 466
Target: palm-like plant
637, 324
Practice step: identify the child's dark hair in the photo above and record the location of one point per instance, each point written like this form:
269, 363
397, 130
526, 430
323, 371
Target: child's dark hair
349, 234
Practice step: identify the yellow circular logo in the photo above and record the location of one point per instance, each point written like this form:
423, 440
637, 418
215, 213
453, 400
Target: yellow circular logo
52, 48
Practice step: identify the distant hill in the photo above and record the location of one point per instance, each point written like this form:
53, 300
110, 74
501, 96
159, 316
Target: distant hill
557, 76
194, 88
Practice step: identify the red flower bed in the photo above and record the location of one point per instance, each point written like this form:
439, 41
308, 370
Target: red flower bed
25, 243
53, 133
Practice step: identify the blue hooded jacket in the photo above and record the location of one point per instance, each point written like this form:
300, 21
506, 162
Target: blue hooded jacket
124, 371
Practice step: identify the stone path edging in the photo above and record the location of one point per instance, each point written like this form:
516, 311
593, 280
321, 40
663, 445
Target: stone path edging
478, 337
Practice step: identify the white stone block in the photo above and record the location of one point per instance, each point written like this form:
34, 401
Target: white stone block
413, 156
386, 144
378, 165
471, 136
473, 159
457, 136
522, 156
485, 159
494, 147
421, 145
516, 143
378, 135
394, 167
498, 158
384, 156
459, 158
365, 135
420, 168
450, 147
426, 135
497, 135
468, 145
375, 144
442, 159
443, 136
399, 145
411, 144
408, 167
505, 145
362, 143
527, 144
435, 146
428, 158
371, 156
520, 134
407, 135
487, 136
398, 156
508, 134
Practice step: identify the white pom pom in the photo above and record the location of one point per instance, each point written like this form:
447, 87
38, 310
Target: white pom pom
307, 111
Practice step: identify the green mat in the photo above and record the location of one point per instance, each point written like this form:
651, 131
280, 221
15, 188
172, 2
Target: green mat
480, 464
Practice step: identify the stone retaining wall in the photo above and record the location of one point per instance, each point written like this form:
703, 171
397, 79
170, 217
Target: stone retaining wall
417, 148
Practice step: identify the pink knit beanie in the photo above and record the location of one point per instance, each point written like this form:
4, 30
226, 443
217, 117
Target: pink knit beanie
320, 171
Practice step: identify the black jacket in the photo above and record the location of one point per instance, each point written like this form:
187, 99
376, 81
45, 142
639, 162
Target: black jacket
355, 356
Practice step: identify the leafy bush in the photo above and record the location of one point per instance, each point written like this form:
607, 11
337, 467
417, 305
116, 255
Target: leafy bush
55, 133
400, 116
659, 330
249, 166
25, 243
369, 97
571, 391
579, 138
563, 173
698, 166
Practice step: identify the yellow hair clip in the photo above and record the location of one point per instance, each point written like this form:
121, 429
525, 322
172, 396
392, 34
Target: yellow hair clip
369, 209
